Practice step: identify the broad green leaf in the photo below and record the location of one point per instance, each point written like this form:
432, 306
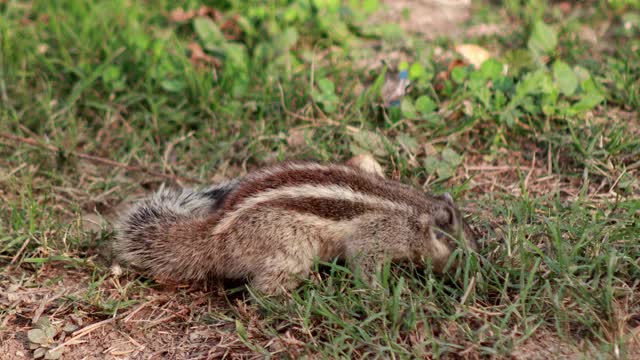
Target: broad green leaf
532, 83
451, 157
565, 78
39, 352
491, 69
518, 60
236, 55
69, 328
326, 86
370, 6
54, 354
50, 331
37, 336
408, 109
458, 74
543, 39
581, 73
589, 86
431, 164
286, 39
208, 32
425, 105
416, 71
409, 142
368, 142
332, 5
588, 102
110, 74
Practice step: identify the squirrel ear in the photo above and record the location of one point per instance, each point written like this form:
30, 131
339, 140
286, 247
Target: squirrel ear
448, 198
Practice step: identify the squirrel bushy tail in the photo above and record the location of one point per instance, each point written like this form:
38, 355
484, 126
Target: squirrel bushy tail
160, 234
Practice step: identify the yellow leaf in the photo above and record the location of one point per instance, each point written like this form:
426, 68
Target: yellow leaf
473, 54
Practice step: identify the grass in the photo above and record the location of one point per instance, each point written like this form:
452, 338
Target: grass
102, 101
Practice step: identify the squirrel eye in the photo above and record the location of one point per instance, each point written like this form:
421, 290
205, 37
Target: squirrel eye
445, 217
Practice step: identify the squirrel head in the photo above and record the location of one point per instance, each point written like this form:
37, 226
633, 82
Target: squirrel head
446, 230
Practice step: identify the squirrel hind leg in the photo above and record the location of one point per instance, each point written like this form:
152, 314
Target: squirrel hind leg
282, 279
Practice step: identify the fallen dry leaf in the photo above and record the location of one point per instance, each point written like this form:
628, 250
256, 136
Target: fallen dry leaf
473, 54
42, 48
231, 28
178, 15
565, 7
442, 76
199, 57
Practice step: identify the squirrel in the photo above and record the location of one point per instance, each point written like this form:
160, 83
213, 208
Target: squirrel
269, 226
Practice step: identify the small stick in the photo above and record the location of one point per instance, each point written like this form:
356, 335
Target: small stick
95, 159
24, 245
495, 168
349, 128
533, 166
91, 327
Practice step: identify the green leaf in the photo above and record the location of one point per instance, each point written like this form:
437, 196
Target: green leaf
332, 5
368, 142
581, 73
39, 352
111, 73
236, 55
326, 86
431, 164
370, 6
416, 71
543, 39
565, 78
208, 32
589, 86
459, 74
518, 60
451, 157
173, 85
54, 354
491, 69
588, 102
408, 110
286, 39
532, 83
50, 331
408, 142
69, 328
425, 105
37, 336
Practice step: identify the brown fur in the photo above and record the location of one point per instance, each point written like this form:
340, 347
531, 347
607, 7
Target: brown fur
271, 225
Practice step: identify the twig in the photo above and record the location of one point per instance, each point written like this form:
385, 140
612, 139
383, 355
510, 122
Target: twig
12, 172
352, 130
533, 166
3, 85
78, 334
95, 159
496, 168
24, 245
48, 300
472, 285
169, 150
